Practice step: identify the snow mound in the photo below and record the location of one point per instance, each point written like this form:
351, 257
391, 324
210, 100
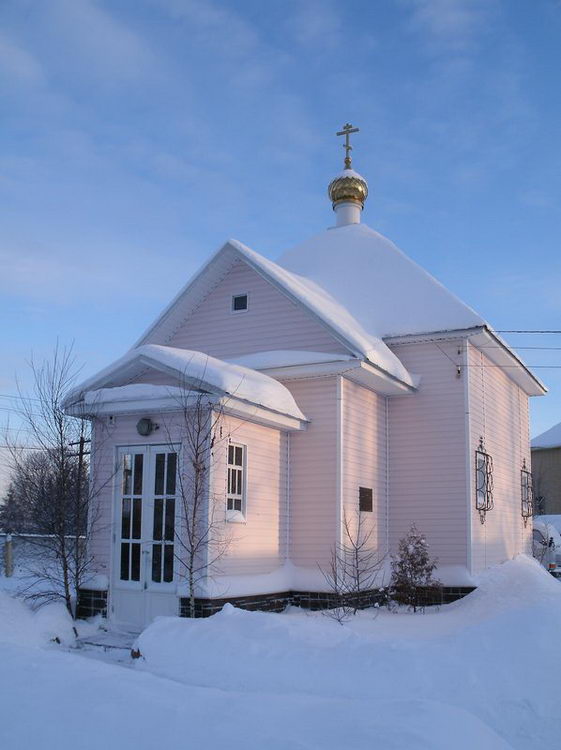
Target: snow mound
520, 582
473, 662
21, 626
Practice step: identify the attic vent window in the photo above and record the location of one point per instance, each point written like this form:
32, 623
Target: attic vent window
239, 303
365, 499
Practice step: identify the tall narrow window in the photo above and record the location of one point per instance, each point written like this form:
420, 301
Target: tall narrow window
483, 481
236, 478
527, 493
131, 515
163, 531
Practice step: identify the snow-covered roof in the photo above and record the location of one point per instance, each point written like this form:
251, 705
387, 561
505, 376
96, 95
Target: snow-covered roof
193, 370
362, 288
386, 292
301, 290
549, 439
273, 359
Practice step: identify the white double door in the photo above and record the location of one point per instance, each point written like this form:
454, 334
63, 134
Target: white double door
145, 545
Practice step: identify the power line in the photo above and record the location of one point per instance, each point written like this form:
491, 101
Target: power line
17, 397
528, 331
22, 447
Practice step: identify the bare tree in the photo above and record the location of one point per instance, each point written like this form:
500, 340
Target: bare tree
355, 569
53, 483
201, 537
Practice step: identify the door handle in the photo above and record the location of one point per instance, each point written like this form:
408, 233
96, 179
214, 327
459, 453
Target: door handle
146, 553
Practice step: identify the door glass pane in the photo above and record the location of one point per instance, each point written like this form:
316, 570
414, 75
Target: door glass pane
125, 562
136, 517
158, 517
157, 563
168, 563
170, 519
126, 519
138, 463
135, 562
159, 480
171, 470
127, 471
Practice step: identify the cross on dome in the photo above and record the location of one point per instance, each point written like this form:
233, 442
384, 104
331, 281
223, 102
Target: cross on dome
346, 131
348, 190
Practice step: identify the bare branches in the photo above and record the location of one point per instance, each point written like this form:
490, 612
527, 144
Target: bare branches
200, 536
355, 569
51, 485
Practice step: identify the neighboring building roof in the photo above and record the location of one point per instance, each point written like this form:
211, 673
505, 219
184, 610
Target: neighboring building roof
192, 370
305, 292
549, 439
384, 290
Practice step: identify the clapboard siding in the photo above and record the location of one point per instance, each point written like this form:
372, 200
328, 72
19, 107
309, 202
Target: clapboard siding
427, 452
313, 473
499, 414
364, 459
257, 546
272, 321
260, 544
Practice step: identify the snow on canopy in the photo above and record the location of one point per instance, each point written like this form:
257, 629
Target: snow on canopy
384, 290
194, 369
549, 439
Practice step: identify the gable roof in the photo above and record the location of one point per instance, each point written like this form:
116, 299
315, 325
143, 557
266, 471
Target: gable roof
192, 370
305, 292
549, 439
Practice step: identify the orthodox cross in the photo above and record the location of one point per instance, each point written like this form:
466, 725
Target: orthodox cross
346, 131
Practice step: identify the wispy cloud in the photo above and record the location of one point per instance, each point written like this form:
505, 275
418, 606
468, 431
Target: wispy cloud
315, 23
449, 24
16, 62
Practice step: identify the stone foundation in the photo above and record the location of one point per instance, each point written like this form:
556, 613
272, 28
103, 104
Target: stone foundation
261, 602
314, 600
90, 603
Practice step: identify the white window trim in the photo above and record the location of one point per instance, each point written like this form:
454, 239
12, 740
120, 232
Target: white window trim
240, 294
237, 516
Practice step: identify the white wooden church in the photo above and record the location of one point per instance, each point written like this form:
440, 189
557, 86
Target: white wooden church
344, 382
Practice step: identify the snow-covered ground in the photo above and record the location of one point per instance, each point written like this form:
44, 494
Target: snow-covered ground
481, 673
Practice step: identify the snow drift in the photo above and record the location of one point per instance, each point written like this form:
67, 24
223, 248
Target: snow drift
476, 657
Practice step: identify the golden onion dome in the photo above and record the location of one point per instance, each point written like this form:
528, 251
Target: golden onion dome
348, 186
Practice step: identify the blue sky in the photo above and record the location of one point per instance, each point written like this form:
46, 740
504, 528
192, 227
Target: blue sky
139, 135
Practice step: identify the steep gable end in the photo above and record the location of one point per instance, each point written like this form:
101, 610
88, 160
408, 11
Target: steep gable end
271, 320
309, 303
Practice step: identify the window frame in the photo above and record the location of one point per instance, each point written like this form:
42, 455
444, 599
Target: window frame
235, 515
369, 500
237, 296
526, 493
483, 490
